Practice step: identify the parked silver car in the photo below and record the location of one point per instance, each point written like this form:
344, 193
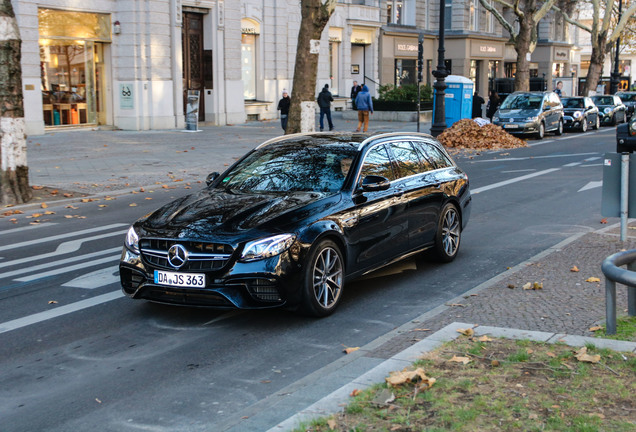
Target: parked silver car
531, 113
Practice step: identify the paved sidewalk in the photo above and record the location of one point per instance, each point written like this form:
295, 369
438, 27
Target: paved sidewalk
94, 162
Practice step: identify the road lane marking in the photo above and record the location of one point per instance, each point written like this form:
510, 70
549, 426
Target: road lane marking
67, 269
591, 185
62, 249
60, 236
96, 279
45, 224
511, 181
32, 269
514, 159
59, 311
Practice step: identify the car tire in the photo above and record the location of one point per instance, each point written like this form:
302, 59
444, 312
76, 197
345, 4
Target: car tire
448, 236
614, 120
323, 279
541, 132
559, 129
584, 125
597, 123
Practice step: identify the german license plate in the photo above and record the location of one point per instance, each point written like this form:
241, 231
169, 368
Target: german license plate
187, 280
511, 126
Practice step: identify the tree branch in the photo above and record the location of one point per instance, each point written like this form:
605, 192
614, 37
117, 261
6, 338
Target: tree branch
567, 18
626, 16
538, 15
500, 17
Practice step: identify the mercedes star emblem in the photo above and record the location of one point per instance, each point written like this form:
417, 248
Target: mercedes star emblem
177, 256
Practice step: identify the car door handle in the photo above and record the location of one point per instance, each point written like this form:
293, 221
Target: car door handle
398, 193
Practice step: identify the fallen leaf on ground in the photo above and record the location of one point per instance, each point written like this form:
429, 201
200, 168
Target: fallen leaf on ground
582, 356
592, 279
484, 338
460, 359
52, 302
354, 393
533, 286
350, 350
466, 332
574, 269
401, 377
44, 205
595, 328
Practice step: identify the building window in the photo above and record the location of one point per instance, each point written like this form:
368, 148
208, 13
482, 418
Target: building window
248, 66
334, 66
473, 16
448, 14
405, 72
400, 12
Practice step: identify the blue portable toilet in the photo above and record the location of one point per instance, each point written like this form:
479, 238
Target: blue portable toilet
459, 99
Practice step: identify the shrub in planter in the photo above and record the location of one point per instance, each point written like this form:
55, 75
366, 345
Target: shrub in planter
403, 98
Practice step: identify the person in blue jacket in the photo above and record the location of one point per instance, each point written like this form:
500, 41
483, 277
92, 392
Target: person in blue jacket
365, 107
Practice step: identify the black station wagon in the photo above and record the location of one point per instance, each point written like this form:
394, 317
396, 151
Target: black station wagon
287, 224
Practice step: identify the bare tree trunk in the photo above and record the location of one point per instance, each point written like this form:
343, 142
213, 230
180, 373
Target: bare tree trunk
14, 172
522, 47
597, 59
315, 15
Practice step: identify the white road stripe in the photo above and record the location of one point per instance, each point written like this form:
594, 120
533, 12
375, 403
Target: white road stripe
67, 269
31, 269
514, 180
60, 236
96, 279
30, 227
59, 311
62, 249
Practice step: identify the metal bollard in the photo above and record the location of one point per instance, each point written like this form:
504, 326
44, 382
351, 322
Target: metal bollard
614, 273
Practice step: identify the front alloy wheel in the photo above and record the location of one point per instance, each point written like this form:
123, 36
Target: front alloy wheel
541, 132
323, 279
449, 231
584, 125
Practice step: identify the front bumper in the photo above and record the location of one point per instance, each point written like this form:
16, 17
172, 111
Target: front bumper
570, 122
268, 283
518, 127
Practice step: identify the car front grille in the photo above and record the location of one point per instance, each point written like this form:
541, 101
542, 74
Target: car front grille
201, 255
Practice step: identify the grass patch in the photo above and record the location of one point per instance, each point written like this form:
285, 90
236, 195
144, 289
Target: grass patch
625, 329
506, 385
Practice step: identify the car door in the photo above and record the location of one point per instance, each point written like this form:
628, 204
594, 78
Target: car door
381, 230
422, 190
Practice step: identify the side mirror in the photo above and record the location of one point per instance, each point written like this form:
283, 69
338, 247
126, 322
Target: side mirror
211, 177
546, 107
374, 183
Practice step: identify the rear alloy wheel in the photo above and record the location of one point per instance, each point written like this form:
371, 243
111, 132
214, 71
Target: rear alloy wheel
541, 132
323, 279
559, 130
449, 231
584, 125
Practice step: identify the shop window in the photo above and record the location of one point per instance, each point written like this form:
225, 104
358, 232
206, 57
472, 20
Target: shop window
405, 72
71, 58
248, 66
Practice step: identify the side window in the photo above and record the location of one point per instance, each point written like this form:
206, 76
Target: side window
425, 160
439, 159
407, 159
377, 162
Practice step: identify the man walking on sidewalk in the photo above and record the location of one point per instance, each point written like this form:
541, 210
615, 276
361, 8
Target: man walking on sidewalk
324, 102
365, 107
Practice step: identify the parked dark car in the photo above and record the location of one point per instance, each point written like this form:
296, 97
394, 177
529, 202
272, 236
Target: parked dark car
294, 218
629, 100
530, 113
580, 113
626, 137
611, 109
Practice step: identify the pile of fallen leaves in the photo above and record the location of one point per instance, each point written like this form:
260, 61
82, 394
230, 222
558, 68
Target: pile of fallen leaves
467, 134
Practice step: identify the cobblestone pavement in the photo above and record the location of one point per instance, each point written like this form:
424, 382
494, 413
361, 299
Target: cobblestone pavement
566, 303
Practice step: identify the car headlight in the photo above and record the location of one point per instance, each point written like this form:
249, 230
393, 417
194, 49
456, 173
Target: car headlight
632, 127
267, 247
132, 240
495, 118
607, 110
577, 114
532, 119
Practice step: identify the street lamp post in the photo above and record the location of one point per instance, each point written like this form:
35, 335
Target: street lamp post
616, 74
440, 74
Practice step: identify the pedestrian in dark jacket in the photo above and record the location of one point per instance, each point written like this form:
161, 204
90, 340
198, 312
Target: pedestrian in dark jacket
283, 107
354, 92
324, 102
478, 101
493, 104
365, 107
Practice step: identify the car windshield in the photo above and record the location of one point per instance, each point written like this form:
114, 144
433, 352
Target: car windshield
572, 103
522, 101
310, 165
627, 97
603, 100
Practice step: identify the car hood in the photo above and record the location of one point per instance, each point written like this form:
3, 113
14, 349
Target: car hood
573, 110
226, 215
601, 107
518, 113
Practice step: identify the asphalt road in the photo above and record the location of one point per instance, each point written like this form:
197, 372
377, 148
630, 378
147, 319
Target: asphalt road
76, 355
